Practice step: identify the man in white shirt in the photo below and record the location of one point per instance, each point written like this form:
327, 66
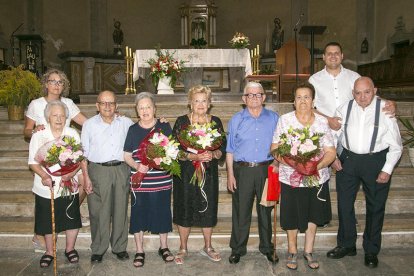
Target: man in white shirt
369, 156
333, 84
103, 137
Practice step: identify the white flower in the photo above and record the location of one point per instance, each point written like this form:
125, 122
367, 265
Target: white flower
167, 160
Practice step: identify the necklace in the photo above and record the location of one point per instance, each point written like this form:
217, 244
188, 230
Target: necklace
198, 121
154, 121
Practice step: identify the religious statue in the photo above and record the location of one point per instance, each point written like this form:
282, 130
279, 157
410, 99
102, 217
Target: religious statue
364, 46
277, 35
118, 37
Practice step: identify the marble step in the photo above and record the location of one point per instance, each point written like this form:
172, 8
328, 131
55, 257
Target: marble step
22, 179
397, 233
400, 201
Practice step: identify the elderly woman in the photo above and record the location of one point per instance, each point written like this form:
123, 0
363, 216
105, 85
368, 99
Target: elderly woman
303, 208
55, 84
189, 204
67, 215
151, 202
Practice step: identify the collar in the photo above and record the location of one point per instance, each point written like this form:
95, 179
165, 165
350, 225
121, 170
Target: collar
330, 75
101, 120
247, 114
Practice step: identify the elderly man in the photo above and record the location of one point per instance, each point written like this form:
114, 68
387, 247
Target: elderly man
103, 138
250, 133
372, 147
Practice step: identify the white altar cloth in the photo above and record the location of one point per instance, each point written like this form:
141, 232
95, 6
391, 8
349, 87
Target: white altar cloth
197, 58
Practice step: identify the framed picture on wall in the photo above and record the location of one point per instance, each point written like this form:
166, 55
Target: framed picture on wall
216, 78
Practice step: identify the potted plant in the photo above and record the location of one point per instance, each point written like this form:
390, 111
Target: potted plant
408, 137
17, 88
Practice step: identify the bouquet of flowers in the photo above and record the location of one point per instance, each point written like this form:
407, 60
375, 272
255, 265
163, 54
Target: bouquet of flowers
59, 157
197, 139
157, 151
239, 41
165, 65
300, 149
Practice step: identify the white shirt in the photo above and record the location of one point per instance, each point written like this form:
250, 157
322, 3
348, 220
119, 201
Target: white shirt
361, 127
320, 125
103, 142
38, 140
36, 109
332, 91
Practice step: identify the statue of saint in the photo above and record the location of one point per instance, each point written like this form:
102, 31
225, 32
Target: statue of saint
118, 35
277, 35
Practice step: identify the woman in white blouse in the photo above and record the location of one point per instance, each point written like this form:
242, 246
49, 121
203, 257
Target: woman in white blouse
67, 214
303, 208
55, 85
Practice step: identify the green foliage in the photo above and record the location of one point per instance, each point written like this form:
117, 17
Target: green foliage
409, 140
18, 87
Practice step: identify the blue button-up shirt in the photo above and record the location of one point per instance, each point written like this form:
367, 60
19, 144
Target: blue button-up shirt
249, 138
103, 142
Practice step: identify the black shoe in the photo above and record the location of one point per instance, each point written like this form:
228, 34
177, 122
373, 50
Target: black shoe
269, 257
340, 252
95, 258
371, 260
122, 255
234, 258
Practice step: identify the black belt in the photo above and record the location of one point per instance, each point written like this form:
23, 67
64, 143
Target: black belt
112, 163
253, 164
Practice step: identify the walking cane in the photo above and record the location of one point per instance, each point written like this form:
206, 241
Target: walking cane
275, 257
52, 203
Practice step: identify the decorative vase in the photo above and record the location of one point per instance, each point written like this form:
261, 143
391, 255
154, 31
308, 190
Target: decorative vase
15, 112
164, 86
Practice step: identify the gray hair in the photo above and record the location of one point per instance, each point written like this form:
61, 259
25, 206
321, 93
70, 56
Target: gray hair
145, 95
253, 84
52, 104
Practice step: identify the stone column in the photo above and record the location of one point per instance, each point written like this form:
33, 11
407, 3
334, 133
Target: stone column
99, 26
89, 64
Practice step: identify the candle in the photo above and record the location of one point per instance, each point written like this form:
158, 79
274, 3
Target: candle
255, 51
126, 51
258, 48
130, 52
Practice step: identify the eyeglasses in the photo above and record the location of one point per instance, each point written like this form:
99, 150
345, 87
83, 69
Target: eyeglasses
55, 82
251, 95
111, 104
305, 98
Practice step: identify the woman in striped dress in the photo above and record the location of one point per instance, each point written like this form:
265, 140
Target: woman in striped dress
151, 202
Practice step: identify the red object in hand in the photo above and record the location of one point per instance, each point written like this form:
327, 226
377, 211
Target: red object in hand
273, 185
308, 168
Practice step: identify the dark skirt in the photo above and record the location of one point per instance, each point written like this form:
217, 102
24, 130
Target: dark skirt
151, 211
67, 214
299, 206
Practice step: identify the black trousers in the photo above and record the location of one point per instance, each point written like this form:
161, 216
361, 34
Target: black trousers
250, 183
363, 168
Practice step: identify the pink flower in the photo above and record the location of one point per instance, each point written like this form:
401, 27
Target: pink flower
65, 155
200, 132
294, 150
157, 161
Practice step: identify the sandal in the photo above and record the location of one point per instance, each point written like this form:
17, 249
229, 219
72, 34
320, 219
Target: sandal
72, 256
311, 261
139, 260
46, 260
292, 262
179, 257
166, 254
211, 254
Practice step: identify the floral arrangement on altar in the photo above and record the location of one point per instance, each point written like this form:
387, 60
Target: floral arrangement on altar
198, 138
60, 157
157, 151
239, 41
300, 149
165, 65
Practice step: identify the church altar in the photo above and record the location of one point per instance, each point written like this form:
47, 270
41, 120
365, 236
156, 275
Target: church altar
237, 60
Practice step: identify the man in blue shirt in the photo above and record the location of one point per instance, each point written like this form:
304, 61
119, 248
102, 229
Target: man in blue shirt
250, 133
103, 137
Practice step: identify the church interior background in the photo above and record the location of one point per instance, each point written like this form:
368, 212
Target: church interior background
77, 36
